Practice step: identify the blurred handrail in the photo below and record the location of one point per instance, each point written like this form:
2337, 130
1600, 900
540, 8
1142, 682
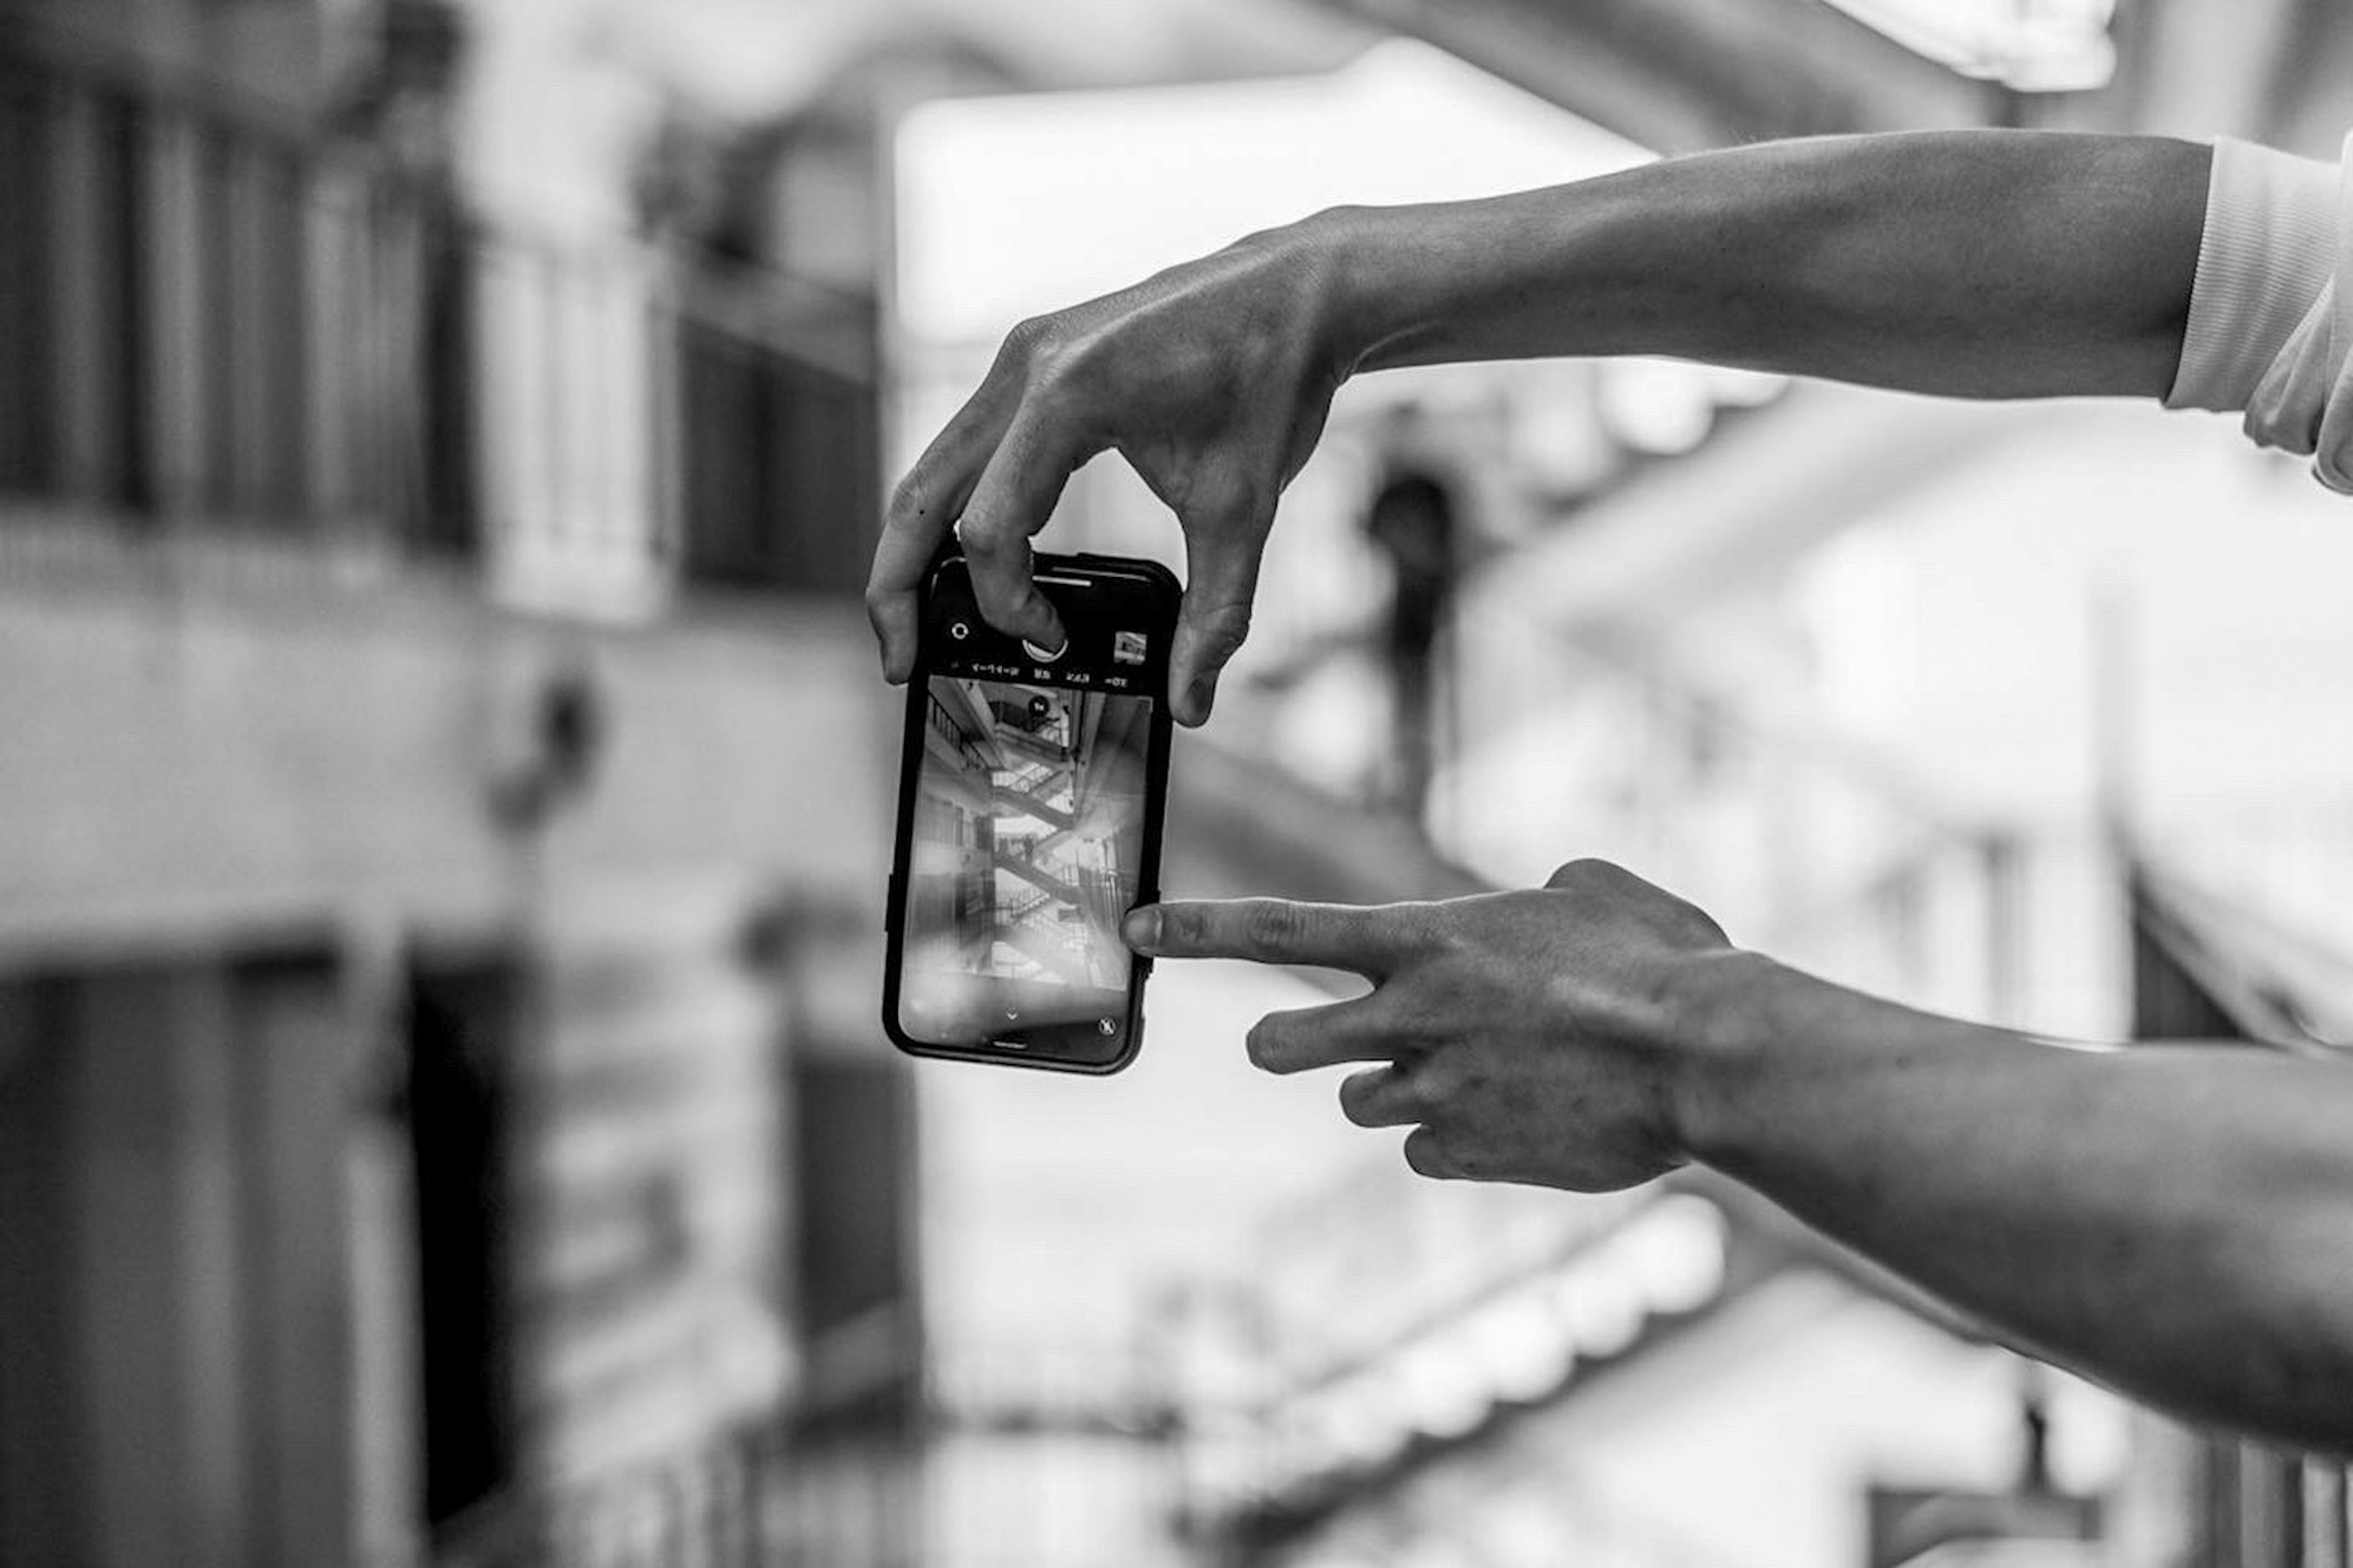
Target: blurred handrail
2269, 1007
699, 1508
1835, 756
760, 304
2197, 962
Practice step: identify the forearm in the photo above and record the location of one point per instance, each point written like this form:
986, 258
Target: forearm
1977, 263
2175, 1221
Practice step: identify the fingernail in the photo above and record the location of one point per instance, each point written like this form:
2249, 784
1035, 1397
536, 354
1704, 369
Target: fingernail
1199, 695
1141, 929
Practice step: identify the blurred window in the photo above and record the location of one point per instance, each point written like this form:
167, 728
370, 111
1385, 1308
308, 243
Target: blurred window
27, 338
780, 459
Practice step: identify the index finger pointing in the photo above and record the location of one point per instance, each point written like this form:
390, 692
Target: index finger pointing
1368, 940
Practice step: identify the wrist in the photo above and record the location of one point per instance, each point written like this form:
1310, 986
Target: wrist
1721, 1011
1352, 286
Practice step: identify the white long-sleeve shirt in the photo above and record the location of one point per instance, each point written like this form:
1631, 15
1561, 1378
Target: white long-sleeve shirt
2271, 318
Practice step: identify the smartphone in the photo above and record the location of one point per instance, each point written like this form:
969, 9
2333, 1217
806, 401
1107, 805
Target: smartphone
1031, 785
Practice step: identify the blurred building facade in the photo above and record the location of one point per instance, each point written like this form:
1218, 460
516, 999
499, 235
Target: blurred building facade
438, 747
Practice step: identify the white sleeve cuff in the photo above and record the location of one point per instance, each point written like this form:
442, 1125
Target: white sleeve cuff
2268, 251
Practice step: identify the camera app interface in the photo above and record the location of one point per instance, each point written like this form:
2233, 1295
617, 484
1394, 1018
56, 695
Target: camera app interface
1028, 831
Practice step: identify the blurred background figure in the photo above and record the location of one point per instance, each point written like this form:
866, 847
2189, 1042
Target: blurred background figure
1411, 523
445, 798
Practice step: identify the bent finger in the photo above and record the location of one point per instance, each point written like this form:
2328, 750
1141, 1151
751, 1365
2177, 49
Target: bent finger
1427, 1153
1369, 940
1303, 1039
1385, 1097
1015, 495
1223, 547
922, 511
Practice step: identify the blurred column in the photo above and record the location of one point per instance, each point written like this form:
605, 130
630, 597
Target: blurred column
174, 1356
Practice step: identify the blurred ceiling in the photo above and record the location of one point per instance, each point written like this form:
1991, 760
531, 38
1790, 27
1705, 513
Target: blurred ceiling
1695, 73
762, 59
1702, 73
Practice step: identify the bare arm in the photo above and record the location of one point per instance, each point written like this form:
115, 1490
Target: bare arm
2175, 1221
1976, 264
1989, 264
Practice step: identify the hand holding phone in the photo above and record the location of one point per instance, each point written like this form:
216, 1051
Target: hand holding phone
1032, 783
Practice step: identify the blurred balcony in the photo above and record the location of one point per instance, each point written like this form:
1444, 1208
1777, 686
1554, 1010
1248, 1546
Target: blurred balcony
219, 329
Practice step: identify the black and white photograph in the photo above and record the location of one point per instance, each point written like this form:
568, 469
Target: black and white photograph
1176, 783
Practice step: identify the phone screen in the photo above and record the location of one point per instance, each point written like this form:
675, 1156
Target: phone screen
1026, 843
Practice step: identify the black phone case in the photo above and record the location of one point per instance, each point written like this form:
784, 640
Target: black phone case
1147, 889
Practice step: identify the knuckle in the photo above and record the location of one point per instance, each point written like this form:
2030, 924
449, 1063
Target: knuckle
1028, 337
1274, 925
988, 538
1225, 627
1586, 872
909, 496
1046, 350
1687, 920
1186, 926
1427, 927
1439, 1079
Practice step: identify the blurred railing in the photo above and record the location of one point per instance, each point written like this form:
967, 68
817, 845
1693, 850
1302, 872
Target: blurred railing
1815, 848
1003, 1452
1052, 1452
1588, 740
2203, 971
205, 315
715, 1507
219, 326
778, 431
